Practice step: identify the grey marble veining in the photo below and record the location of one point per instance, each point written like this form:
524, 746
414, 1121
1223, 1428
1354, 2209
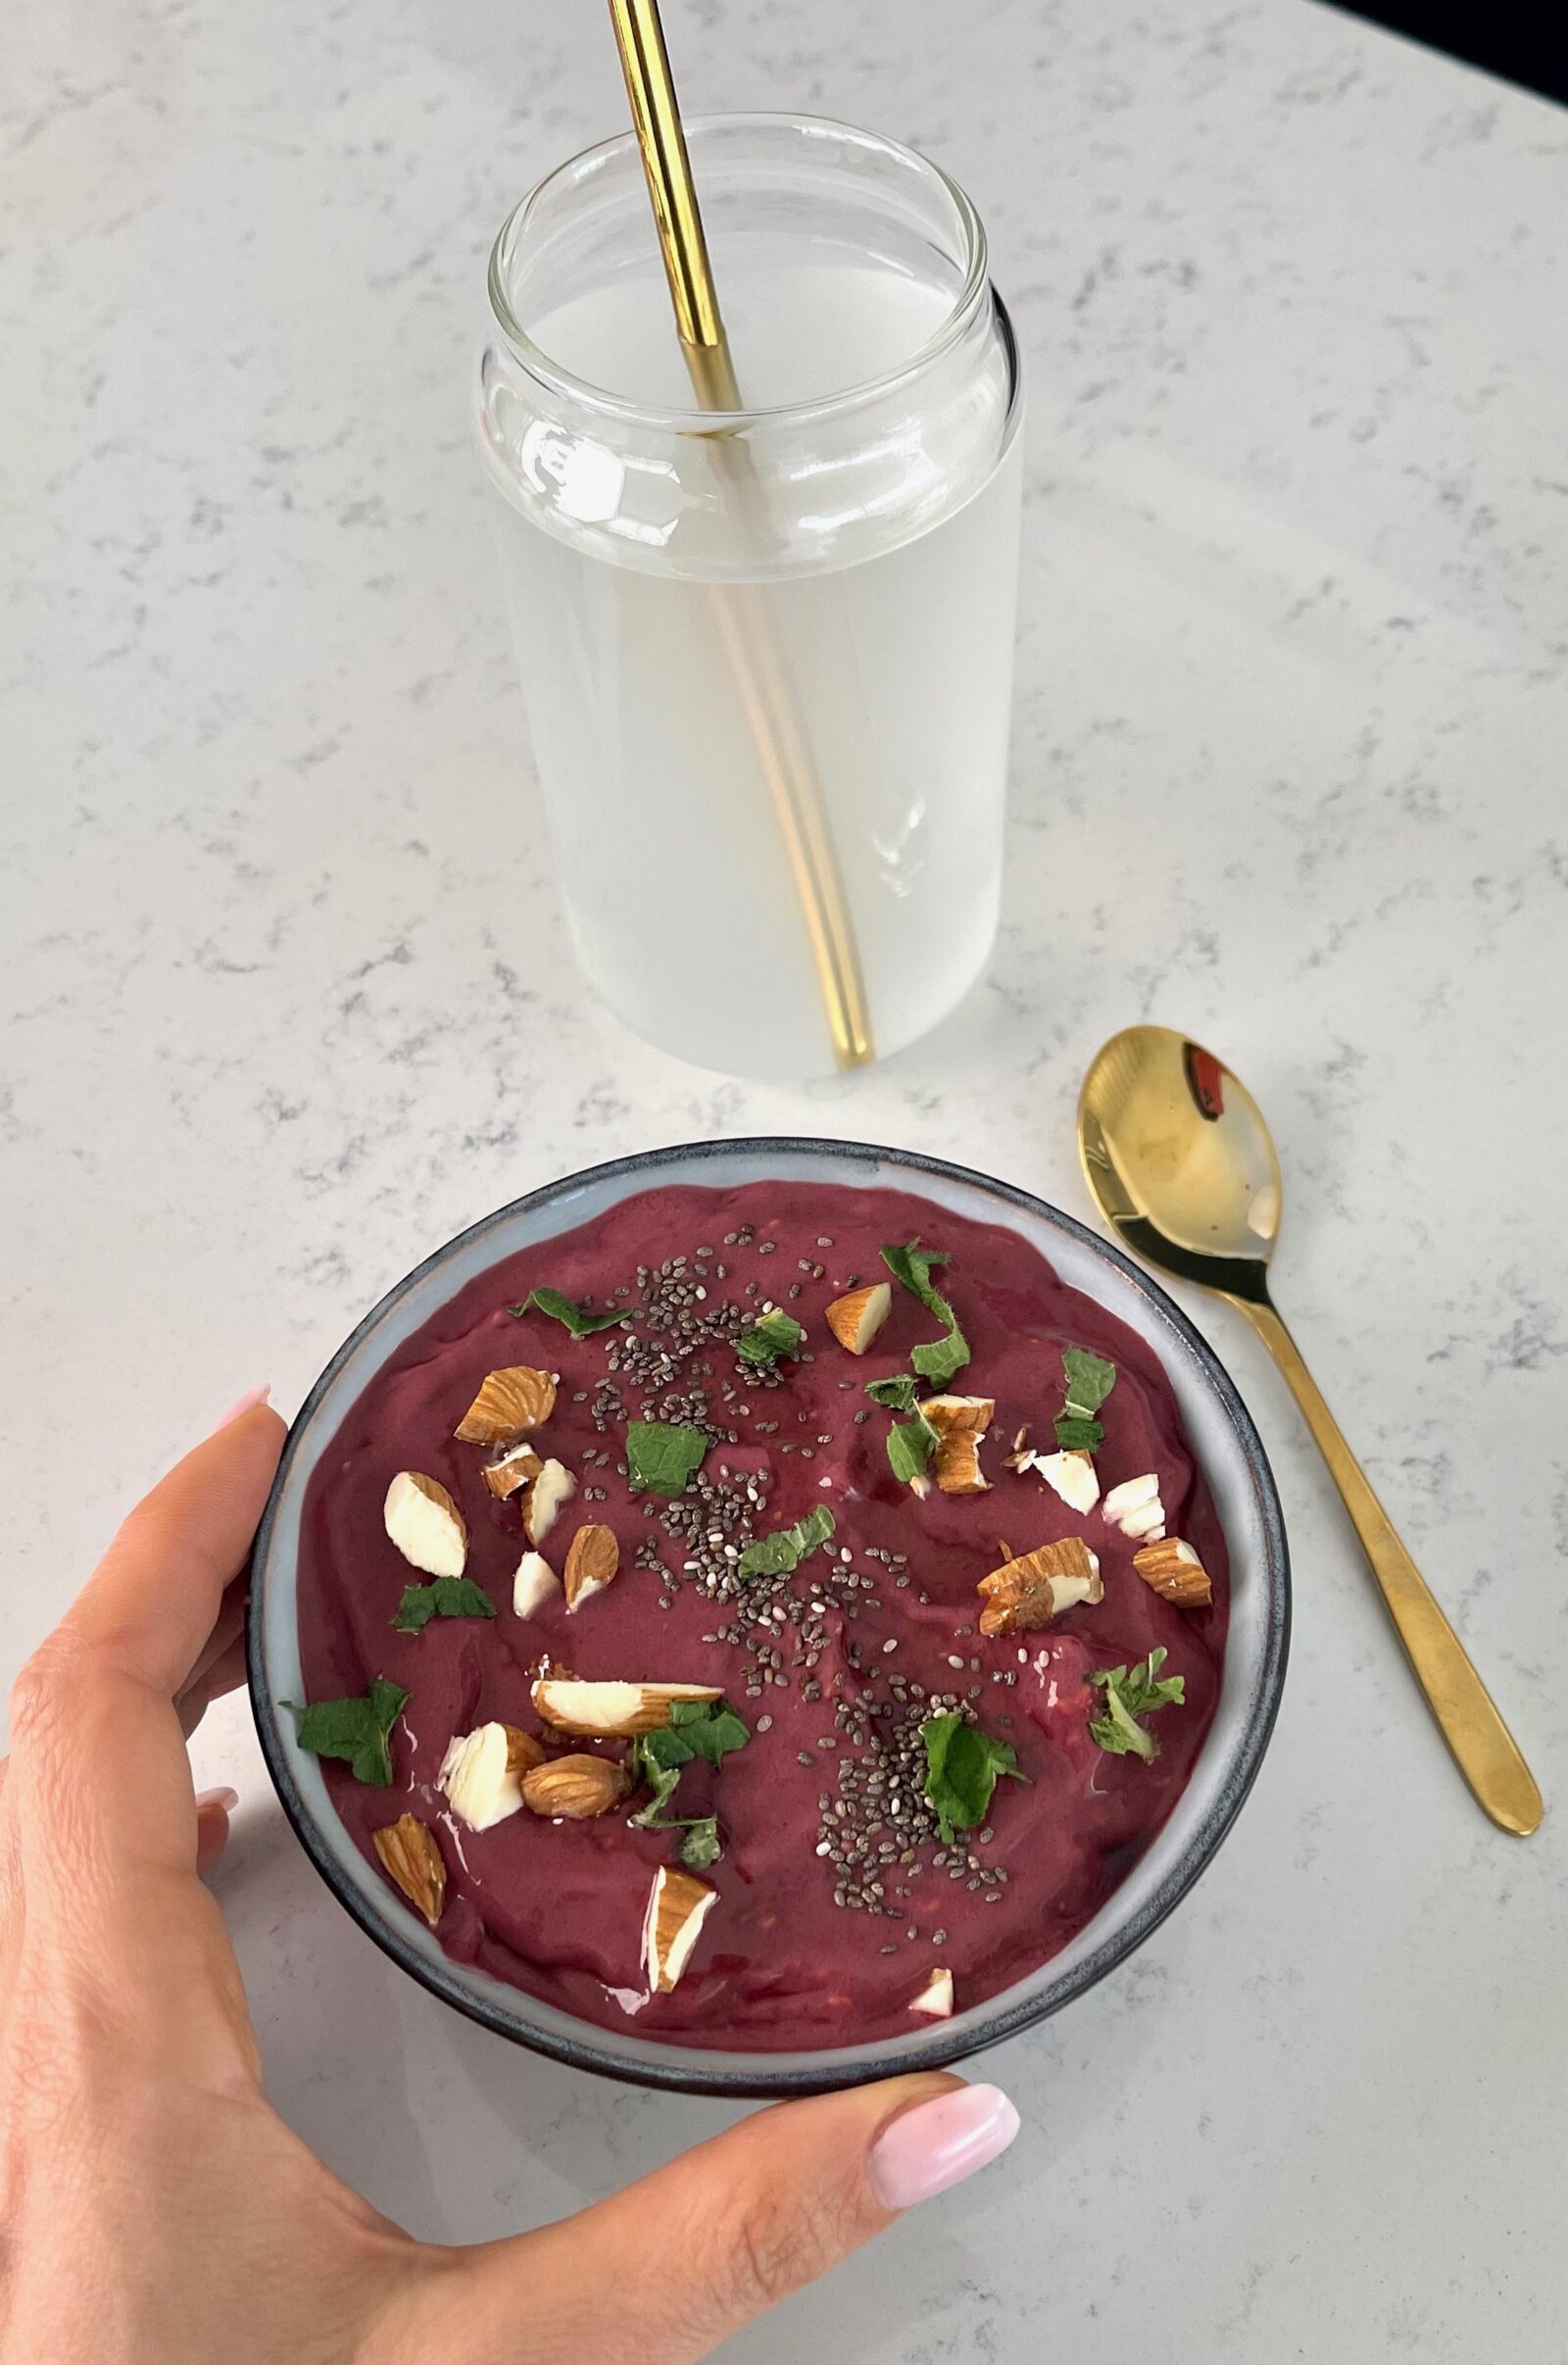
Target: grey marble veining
289, 999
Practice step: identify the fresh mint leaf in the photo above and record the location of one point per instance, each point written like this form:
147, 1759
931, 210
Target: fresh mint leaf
698, 1728
963, 1766
356, 1728
776, 1554
561, 1308
911, 1446
709, 1728
912, 1441
447, 1597
1118, 1730
732, 1731
661, 1455
1147, 1689
1131, 1693
1089, 1379
911, 1264
662, 1781
941, 1359
935, 1359
769, 1337
663, 1748
700, 1845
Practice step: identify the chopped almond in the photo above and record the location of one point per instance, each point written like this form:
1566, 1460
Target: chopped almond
1072, 1476
956, 1464
524, 1751
592, 1560
1135, 1508
961, 1424
534, 1584
411, 1856
610, 1711
553, 1487
855, 1318
514, 1470
1173, 1570
577, 1789
479, 1775
1037, 1586
425, 1524
954, 1415
678, 1904
512, 1404
936, 1996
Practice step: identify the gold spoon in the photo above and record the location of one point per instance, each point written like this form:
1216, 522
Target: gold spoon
1180, 1159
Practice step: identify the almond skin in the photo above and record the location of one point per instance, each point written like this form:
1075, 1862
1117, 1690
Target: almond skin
592, 1559
514, 1470
961, 1424
610, 1711
1173, 1570
577, 1788
855, 1318
959, 1415
678, 1904
524, 1752
510, 1404
1039, 1586
956, 1464
410, 1857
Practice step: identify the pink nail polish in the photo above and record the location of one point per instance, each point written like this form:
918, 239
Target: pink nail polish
227, 1800
939, 2143
247, 1404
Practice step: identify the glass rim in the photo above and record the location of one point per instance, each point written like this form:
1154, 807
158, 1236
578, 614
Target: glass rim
674, 418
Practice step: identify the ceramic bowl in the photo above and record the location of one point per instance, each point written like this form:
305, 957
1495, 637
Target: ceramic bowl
1217, 1424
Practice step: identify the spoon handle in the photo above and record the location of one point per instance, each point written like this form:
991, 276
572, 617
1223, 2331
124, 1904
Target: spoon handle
1486, 1753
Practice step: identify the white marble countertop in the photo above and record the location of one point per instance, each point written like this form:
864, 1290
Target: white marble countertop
291, 1000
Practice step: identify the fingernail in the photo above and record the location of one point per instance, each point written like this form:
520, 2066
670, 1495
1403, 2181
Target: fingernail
227, 1800
939, 2143
247, 1404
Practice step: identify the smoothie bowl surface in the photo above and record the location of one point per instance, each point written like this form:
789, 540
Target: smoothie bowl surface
903, 1798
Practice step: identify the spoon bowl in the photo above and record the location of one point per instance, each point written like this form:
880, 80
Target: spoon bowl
1180, 1158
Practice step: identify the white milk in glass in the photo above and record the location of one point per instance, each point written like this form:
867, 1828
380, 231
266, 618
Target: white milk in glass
888, 587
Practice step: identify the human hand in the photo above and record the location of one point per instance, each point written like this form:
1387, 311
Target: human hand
155, 2210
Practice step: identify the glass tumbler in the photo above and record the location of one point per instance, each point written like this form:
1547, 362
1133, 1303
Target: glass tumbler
766, 653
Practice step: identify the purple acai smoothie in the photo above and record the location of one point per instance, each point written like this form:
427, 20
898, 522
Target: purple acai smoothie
837, 1895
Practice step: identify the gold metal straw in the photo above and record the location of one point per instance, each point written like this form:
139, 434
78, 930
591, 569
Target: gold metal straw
755, 658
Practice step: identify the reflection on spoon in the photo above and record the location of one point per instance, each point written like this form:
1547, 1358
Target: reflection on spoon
1183, 1169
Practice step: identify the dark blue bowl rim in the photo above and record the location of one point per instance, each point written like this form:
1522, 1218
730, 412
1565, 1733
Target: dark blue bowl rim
801, 2073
